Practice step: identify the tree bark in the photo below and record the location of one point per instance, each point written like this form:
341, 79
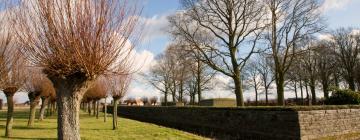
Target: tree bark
301, 92
280, 89
34, 98
256, 95
70, 92
296, 94
89, 107
97, 109
105, 110
238, 91
10, 111
114, 115
94, 107
313, 92
266, 96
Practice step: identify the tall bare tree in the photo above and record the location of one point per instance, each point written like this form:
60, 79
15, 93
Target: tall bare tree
265, 69
326, 66
347, 49
75, 42
289, 22
221, 31
253, 77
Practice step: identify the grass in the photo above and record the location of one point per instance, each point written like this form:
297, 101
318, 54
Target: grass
351, 136
92, 129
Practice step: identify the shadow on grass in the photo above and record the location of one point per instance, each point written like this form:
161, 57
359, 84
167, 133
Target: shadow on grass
22, 138
26, 127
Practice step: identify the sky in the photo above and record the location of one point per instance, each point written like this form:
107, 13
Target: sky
338, 13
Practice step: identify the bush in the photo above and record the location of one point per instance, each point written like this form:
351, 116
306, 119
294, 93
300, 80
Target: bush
342, 97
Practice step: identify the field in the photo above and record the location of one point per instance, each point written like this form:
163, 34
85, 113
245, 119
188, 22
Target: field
92, 129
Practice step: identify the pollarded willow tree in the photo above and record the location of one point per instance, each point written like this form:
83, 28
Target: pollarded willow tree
224, 34
47, 92
35, 81
11, 65
75, 41
118, 86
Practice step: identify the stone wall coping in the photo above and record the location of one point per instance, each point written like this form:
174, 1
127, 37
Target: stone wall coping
263, 108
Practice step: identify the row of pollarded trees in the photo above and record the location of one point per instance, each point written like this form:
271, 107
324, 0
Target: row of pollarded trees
115, 86
225, 33
72, 42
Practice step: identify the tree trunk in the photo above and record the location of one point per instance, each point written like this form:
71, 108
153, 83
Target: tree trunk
32, 114
256, 95
70, 92
325, 89
266, 96
351, 83
296, 94
34, 98
94, 107
44, 101
105, 110
89, 108
165, 96
313, 92
114, 115
10, 111
238, 91
97, 109
301, 92
307, 94
280, 89
198, 80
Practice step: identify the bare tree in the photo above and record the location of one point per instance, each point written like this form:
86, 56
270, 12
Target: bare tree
347, 49
309, 63
326, 66
253, 77
118, 87
265, 69
75, 42
290, 21
221, 31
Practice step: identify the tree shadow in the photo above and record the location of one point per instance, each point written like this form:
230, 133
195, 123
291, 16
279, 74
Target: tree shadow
26, 127
23, 138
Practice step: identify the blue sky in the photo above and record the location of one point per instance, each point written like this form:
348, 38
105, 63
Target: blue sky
339, 13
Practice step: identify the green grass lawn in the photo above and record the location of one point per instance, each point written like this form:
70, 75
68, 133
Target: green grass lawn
93, 129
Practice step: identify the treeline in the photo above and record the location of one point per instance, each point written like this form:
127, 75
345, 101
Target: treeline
256, 44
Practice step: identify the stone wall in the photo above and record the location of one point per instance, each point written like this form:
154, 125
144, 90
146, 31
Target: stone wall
219, 102
321, 123
251, 123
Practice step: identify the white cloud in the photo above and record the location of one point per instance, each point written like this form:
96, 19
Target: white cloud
326, 37
329, 5
155, 27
